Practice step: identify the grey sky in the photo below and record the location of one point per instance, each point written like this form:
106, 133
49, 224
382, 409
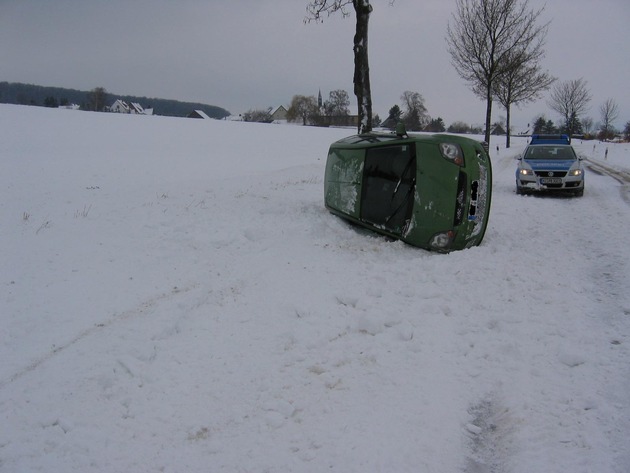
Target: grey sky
244, 54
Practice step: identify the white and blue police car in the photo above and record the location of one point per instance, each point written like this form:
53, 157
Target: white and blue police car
550, 164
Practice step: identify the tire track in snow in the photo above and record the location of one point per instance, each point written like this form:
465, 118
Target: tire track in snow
620, 175
141, 309
490, 436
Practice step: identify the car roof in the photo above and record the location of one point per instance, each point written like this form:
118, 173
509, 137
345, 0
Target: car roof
538, 139
367, 140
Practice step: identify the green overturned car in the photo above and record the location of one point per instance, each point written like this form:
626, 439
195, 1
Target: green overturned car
431, 191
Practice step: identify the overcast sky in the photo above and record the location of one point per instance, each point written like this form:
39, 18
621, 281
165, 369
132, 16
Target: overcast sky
245, 54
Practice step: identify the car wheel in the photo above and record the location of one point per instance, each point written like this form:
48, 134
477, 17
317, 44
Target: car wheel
579, 193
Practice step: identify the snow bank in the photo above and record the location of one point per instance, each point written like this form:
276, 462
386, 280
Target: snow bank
176, 298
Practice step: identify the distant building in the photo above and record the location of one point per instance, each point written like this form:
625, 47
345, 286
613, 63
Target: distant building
497, 129
198, 114
120, 106
341, 121
280, 113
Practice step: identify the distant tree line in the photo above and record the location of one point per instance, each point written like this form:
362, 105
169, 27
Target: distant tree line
570, 100
309, 110
97, 99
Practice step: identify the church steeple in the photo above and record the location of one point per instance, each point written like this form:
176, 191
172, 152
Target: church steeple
319, 99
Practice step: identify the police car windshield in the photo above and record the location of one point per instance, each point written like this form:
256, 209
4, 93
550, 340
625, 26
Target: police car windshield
549, 152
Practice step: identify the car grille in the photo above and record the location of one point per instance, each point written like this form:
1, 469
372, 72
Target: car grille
551, 173
461, 200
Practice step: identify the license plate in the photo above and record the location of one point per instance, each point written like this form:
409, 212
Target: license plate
551, 180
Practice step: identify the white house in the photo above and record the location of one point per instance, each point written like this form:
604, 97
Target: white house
280, 113
198, 114
120, 106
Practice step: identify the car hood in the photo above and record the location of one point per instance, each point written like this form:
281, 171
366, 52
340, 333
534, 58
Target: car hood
560, 164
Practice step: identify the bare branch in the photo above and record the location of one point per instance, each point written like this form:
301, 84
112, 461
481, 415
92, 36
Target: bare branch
570, 99
316, 9
488, 38
609, 111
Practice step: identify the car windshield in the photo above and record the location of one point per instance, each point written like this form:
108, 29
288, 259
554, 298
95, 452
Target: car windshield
550, 152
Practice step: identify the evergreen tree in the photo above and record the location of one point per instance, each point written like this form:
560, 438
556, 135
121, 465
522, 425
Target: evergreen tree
51, 102
550, 128
412, 120
539, 125
394, 114
573, 126
459, 127
436, 126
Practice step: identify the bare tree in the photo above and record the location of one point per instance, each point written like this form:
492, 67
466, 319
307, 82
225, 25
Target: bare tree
570, 99
304, 108
258, 115
97, 98
362, 8
522, 83
415, 116
486, 37
587, 125
337, 103
609, 112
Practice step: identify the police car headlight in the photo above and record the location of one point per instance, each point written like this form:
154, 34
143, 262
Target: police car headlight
526, 172
575, 172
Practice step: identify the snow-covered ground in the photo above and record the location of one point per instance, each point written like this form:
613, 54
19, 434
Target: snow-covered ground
175, 298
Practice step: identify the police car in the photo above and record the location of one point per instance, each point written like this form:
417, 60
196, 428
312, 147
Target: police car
550, 164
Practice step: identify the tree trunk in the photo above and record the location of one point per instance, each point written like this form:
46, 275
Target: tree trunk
488, 113
507, 124
361, 66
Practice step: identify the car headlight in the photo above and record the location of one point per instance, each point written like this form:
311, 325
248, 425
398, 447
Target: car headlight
575, 172
526, 172
443, 240
453, 153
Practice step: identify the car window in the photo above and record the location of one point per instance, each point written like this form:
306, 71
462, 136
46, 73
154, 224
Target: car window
388, 186
549, 152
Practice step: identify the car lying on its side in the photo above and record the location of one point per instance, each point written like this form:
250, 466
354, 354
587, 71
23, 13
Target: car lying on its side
550, 164
431, 191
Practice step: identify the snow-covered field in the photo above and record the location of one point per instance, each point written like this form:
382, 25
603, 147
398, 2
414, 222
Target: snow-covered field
175, 298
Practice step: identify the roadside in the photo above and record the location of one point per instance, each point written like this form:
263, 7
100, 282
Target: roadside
619, 174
